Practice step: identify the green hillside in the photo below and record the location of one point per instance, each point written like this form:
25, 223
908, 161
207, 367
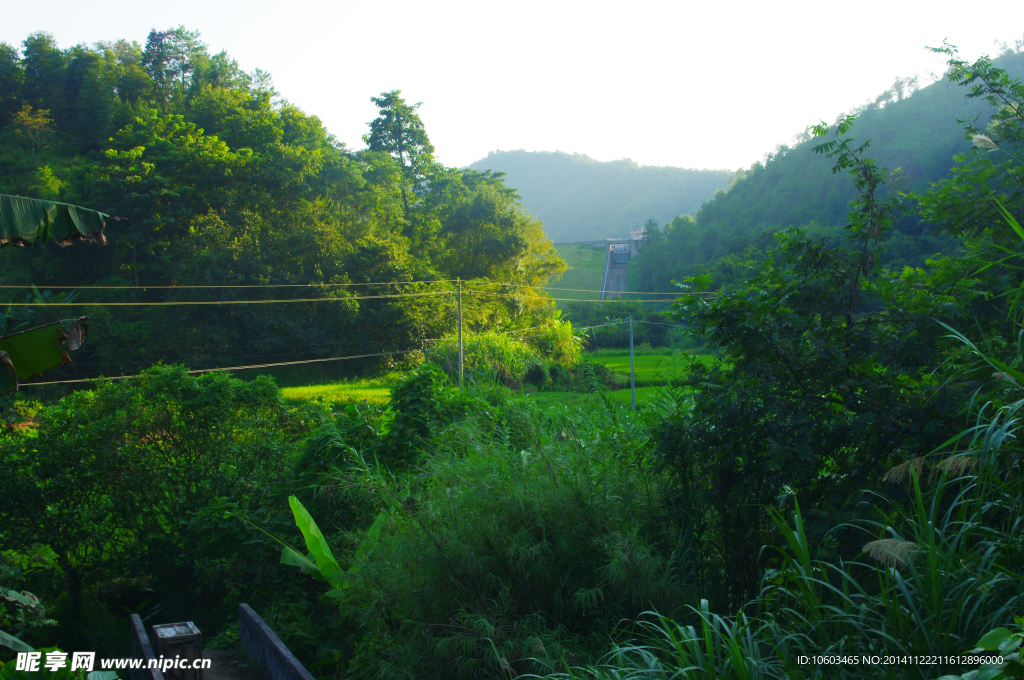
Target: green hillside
586, 269
578, 198
915, 136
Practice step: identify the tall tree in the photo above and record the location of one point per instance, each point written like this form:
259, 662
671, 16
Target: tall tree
45, 71
399, 131
170, 59
89, 90
35, 127
12, 79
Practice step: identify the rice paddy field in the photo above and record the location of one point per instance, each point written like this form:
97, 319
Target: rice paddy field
373, 390
651, 369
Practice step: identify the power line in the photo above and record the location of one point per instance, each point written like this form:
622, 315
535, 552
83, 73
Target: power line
185, 303
336, 285
255, 285
229, 368
658, 323
574, 290
478, 292
180, 303
536, 335
314, 361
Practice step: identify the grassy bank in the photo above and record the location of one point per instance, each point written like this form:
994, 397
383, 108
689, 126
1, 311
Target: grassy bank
586, 269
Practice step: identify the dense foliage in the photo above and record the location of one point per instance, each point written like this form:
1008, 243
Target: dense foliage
219, 181
521, 534
127, 485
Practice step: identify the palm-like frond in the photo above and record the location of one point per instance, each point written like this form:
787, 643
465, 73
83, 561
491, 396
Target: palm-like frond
26, 221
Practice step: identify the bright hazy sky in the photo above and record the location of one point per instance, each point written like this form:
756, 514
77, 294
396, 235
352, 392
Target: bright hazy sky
702, 85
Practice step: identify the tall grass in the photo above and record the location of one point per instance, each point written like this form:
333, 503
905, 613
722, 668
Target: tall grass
508, 358
490, 355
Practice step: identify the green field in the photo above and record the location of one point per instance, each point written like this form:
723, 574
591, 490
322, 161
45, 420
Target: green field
586, 269
373, 390
652, 371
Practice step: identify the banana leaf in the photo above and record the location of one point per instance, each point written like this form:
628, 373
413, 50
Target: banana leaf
25, 355
24, 221
320, 563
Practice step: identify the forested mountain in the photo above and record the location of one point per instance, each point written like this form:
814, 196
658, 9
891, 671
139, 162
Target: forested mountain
914, 134
217, 181
579, 199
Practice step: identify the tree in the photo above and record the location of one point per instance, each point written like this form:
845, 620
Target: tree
170, 58
489, 236
45, 70
12, 78
35, 127
962, 203
146, 457
399, 131
89, 90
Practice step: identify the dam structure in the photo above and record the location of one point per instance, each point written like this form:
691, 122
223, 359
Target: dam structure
617, 255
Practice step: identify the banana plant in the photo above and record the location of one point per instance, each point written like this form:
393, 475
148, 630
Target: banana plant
26, 222
320, 562
26, 354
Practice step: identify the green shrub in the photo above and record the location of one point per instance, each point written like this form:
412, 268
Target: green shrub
556, 341
536, 375
522, 540
423, 403
131, 481
488, 356
508, 358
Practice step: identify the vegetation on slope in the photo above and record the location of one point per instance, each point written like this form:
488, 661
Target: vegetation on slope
218, 181
914, 134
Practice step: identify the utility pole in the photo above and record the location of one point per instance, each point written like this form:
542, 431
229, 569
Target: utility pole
632, 367
460, 333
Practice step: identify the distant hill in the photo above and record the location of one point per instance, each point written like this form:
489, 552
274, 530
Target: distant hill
578, 198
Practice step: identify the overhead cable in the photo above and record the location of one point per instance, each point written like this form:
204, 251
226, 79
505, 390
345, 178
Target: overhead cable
227, 285
229, 368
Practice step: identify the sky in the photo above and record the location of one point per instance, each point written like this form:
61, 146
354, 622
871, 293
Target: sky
697, 85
